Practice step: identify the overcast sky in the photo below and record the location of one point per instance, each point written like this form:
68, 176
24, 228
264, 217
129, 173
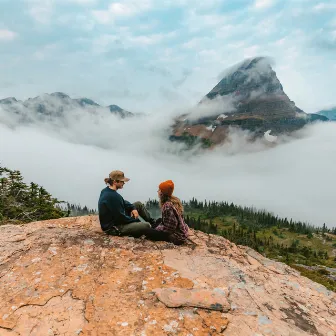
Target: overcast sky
156, 55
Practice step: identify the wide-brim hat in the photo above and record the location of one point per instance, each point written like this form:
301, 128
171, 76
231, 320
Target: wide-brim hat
118, 175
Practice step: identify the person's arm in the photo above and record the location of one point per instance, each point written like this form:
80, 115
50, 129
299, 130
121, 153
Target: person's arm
129, 207
118, 211
169, 220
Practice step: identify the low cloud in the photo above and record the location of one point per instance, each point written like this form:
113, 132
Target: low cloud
40, 10
117, 10
292, 179
7, 35
186, 73
213, 107
262, 4
324, 6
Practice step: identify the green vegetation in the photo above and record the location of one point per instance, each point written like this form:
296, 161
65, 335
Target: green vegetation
191, 140
282, 239
318, 276
21, 202
75, 210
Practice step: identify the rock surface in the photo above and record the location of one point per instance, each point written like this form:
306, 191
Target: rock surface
202, 298
65, 277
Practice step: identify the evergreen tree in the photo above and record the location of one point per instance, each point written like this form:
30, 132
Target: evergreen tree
22, 202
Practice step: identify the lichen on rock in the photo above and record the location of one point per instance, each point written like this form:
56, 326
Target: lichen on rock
65, 277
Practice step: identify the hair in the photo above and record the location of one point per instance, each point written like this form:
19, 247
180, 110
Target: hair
108, 180
174, 200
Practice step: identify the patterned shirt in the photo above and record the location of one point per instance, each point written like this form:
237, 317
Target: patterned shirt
173, 223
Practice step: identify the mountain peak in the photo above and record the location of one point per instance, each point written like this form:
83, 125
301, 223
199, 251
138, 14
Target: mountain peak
329, 113
60, 95
252, 77
86, 101
250, 97
8, 101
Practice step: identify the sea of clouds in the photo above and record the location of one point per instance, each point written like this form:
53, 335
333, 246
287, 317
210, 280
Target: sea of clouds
71, 157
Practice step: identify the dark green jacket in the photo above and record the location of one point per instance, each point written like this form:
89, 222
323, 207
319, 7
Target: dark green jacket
114, 210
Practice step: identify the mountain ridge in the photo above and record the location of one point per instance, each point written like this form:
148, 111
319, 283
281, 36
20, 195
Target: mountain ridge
55, 104
330, 113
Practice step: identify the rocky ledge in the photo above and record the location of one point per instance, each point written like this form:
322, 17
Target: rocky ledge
65, 277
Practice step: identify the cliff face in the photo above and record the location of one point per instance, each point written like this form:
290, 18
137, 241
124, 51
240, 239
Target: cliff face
65, 277
250, 97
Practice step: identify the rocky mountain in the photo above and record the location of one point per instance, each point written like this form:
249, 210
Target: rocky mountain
250, 97
65, 277
329, 113
54, 106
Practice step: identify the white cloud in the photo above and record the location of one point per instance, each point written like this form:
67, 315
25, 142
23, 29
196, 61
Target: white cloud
102, 16
251, 51
261, 4
46, 51
333, 22
125, 9
145, 40
82, 2
82, 21
196, 43
101, 43
200, 5
210, 55
7, 35
105, 42
198, 21
89, 146
324, 6
42, 10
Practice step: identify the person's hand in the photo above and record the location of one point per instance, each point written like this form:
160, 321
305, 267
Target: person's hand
135, 214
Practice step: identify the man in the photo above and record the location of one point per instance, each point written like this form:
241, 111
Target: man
120, 217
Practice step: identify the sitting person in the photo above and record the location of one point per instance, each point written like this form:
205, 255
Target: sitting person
120, 217
171, 227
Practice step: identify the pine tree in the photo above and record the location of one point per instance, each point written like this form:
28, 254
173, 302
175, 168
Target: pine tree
23, 202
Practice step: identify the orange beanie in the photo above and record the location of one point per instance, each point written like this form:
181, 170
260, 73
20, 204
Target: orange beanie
167, 187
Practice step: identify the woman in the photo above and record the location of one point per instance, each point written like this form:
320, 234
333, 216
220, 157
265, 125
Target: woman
171, 227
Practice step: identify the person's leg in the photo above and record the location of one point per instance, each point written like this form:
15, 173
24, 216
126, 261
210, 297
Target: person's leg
156, 223
143, 212
136, 229
156, 235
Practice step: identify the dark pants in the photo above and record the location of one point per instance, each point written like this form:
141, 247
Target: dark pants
156, 235
143, 212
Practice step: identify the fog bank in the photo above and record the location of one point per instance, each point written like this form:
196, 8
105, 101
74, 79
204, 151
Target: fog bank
293, 179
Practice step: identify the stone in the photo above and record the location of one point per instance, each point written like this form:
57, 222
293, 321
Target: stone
104, 293
201, 298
